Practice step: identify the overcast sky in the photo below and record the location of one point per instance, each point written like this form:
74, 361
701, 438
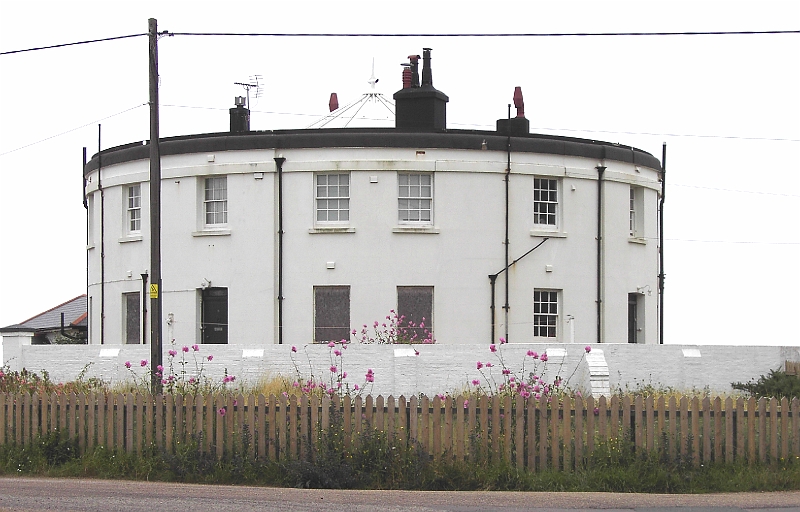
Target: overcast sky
728, 108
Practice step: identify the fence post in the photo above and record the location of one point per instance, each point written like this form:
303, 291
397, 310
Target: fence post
519, 434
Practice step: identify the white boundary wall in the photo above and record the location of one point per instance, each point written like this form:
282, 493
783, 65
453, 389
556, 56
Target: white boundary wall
437, 368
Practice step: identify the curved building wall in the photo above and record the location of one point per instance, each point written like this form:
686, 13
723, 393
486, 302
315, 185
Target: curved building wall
373, 252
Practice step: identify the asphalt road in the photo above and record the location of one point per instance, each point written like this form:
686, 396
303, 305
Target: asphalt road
39, 494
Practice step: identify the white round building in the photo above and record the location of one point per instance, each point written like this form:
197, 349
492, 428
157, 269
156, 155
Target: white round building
300, 236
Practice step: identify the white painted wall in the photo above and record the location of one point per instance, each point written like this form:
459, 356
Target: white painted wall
464, 247
438, 368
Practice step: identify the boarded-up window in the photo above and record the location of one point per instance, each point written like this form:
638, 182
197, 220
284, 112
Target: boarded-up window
331, 313
415, 306
133, 319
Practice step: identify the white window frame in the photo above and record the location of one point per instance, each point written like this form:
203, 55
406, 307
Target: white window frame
323, 197
91, 222
215, 201
546, 322
412, 197
133, 209
636, 213
545, 208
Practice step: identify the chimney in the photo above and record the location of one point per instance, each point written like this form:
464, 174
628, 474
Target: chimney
406, 76
516, 126
333, 104
240, 116
418, 107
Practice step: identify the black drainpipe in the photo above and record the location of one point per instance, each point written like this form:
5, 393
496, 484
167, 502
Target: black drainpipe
102, 242
506, 307
661, 274
144, 308
86, 207
493, 280
599, 301
279, 160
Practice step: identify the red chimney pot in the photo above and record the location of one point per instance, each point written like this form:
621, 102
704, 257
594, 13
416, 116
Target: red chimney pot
518, 102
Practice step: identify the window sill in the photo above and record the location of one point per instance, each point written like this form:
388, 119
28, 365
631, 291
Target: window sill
212, 232
130, 238
331, 229
90, 246
548, 234
636, 240
429, 230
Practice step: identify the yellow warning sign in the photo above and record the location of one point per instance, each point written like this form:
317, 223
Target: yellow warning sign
153, 291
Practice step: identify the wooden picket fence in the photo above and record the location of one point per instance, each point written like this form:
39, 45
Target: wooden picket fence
560, 434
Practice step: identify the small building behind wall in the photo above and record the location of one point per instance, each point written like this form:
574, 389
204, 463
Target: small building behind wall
411, 218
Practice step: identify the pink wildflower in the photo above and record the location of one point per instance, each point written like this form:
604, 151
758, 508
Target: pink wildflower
172, 353
294, 349
489, 364
333, 369
503, 341
210, 357
587, 348
331, 344
493, 347
185, 348
160, 368
344, 375
476, 382
544, 357
466, 404
370, 376
337, 352
127, 364
235, 403
355, 387
479, 365
506, 371
143, 362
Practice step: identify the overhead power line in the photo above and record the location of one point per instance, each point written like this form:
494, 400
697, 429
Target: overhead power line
72, 129
474, 34
72, 44
508, 34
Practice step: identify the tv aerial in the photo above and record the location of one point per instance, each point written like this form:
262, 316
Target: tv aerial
254, 83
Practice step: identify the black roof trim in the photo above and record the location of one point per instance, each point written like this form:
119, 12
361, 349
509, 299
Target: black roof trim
376, 138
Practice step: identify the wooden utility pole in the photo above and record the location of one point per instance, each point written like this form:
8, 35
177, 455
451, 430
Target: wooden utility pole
155, 214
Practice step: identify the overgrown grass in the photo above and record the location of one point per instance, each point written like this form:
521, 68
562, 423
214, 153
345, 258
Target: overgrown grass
375, 463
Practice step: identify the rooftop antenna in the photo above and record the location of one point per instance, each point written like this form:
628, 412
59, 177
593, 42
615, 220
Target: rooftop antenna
372, 80
253, 83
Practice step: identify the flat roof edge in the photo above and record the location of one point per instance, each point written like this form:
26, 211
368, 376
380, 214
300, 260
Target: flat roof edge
376, 138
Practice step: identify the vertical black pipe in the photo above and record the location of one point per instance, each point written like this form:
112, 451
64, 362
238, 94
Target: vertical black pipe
155, 211
492, 281
506, 307
102, 241
661, 274
144, 308
86, 207
600, 169
279, 164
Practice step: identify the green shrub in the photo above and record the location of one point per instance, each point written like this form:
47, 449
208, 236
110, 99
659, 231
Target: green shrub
777, 384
